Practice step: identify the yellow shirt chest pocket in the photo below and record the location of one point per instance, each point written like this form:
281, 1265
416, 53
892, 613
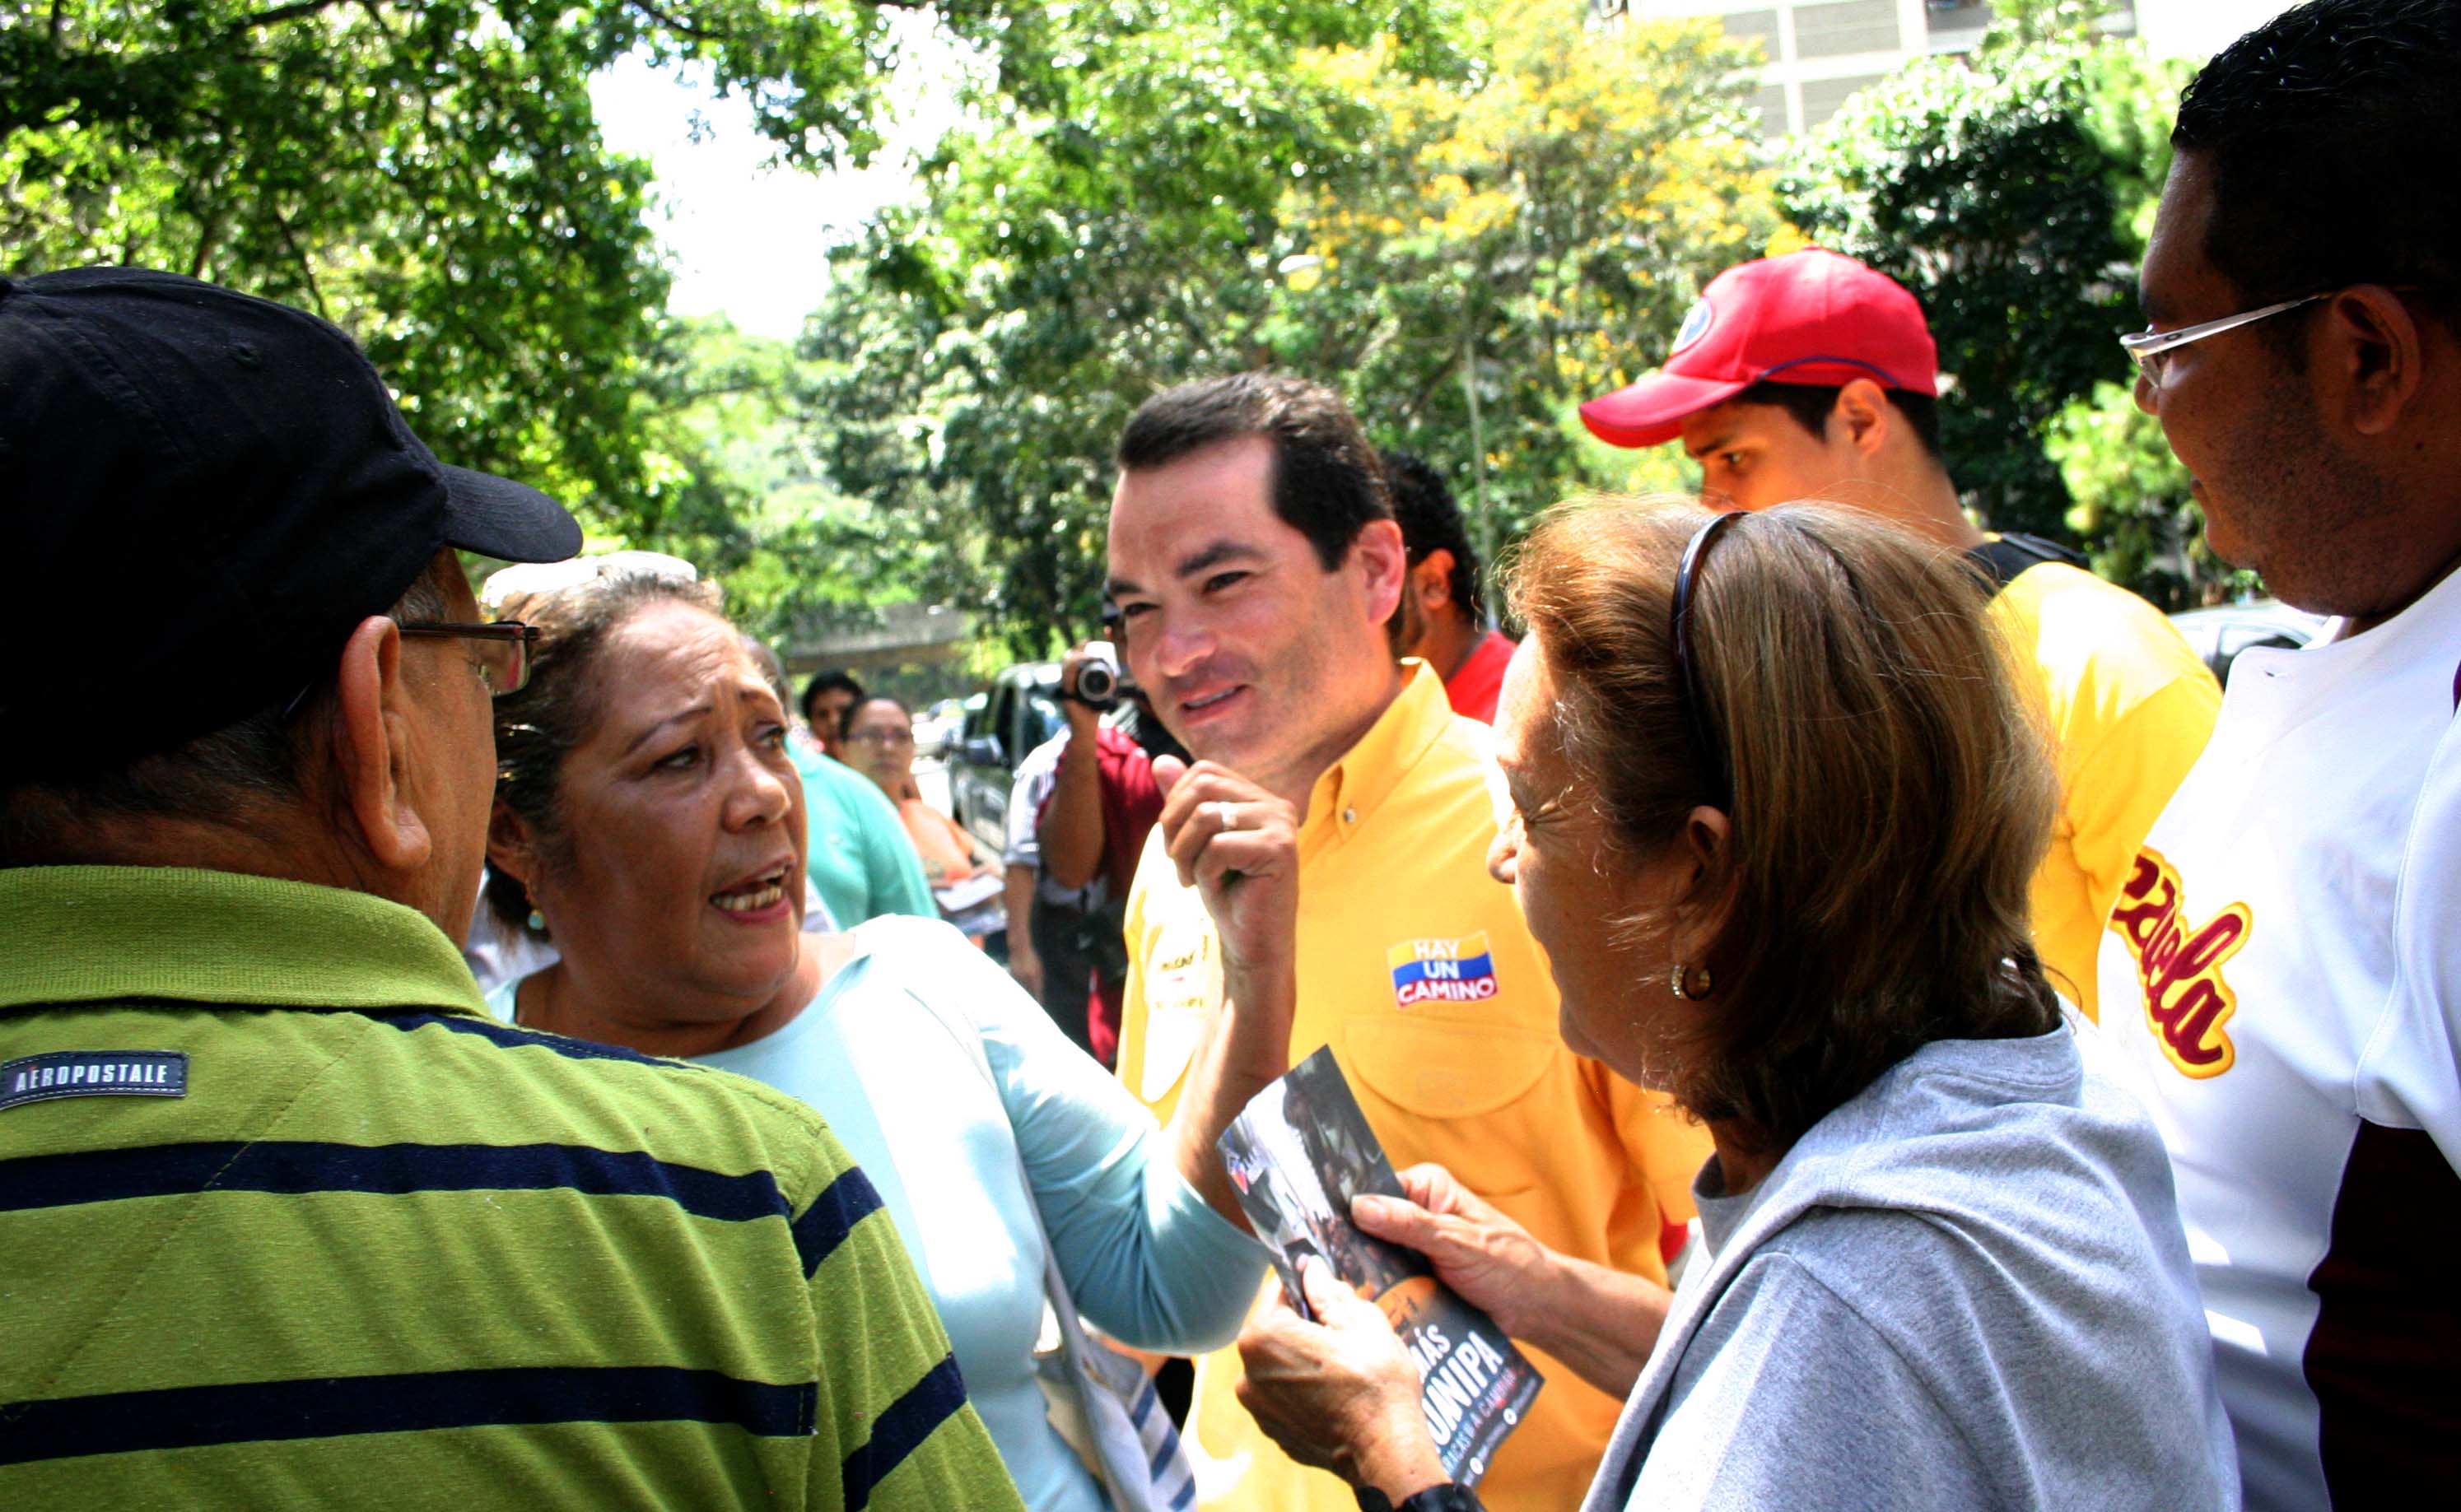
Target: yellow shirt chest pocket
1487, 1101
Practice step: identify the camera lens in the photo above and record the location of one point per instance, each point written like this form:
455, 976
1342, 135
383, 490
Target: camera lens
1097, 683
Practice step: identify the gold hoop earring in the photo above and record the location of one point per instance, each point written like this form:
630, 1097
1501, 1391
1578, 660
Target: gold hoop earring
1683, 985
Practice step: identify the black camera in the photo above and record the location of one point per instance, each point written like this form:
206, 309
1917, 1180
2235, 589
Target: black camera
1098, 675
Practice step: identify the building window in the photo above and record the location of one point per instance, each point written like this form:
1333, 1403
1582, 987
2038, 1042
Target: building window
1857, 26
1821, 96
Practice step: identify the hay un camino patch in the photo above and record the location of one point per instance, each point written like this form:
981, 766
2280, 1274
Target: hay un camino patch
94, 1074
1459, 970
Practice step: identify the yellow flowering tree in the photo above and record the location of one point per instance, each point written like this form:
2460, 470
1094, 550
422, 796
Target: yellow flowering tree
1520, 239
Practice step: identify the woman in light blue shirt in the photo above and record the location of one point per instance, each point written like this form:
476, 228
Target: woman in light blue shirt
650, 821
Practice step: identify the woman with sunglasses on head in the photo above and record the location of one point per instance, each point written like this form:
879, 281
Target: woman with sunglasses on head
650, 824
1775, 806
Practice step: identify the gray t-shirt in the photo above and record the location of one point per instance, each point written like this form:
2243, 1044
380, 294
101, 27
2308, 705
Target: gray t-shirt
1966, 1287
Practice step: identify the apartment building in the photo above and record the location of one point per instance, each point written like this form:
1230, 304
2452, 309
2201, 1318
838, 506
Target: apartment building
1820, 52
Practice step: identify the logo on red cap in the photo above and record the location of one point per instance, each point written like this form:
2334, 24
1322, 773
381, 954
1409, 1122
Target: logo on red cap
1696, 322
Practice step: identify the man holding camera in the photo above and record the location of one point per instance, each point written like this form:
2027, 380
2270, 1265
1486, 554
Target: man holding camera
1086, 799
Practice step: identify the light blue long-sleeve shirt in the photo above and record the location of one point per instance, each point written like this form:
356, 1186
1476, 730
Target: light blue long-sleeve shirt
1147, 1262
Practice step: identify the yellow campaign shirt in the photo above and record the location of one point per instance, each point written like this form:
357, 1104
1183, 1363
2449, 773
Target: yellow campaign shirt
2129, 707
1461, 1065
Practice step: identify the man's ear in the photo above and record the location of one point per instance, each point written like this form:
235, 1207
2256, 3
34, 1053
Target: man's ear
371, 756
1432, 580
1385, 565
2379, 354
1862, 417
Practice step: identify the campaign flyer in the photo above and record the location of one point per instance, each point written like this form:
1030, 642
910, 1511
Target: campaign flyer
1297, 1154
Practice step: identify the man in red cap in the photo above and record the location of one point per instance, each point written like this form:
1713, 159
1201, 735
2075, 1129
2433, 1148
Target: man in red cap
1811, 376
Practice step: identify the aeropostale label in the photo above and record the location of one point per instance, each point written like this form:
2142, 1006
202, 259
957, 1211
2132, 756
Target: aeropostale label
94, 1074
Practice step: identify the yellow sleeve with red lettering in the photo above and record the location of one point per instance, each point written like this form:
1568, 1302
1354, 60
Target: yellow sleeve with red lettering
2128, 707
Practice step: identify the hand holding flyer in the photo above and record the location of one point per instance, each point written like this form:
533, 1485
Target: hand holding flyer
1297, 1156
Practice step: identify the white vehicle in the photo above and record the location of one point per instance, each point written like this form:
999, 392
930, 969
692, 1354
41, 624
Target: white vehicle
2218, 634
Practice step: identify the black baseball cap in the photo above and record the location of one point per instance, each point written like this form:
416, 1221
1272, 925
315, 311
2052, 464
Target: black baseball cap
205, 492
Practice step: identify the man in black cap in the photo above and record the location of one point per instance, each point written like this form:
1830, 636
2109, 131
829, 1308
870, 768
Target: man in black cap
289, 1219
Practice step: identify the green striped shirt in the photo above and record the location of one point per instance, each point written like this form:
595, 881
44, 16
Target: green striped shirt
382, 1250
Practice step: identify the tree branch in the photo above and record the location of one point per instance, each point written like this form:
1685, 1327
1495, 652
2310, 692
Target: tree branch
307, 269
281, 13
670, 20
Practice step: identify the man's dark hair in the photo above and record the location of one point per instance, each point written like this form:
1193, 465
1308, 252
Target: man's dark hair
1811, 404
1327, 482
836, 679
1431, 521
216, 777
2328, 131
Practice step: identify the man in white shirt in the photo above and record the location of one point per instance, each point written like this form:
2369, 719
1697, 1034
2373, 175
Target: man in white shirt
2281, 977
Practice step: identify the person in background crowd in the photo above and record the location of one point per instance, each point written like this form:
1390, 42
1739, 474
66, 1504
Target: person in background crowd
826, 698
648, 812
1810, 375
1442, 607
2281, 980
1940, 1263
289, 1219
1091, 810
1042, 956
879, 738
1255, 564
858, 858
1020, 879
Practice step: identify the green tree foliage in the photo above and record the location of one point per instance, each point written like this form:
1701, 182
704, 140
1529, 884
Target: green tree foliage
2133, 505
427, 173
1505, 246
1106, 237
2012, 192
1521, 198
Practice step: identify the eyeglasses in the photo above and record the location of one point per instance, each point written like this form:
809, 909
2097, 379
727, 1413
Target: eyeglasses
504, 649
1684, 577
883, 737
2149, 347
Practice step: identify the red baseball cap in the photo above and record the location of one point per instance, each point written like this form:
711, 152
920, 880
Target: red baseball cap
1810, 317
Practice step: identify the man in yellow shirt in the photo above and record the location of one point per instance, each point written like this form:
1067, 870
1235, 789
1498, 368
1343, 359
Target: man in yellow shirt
1811, 376
1254, 562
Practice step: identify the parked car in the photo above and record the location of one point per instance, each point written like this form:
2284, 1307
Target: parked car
2218, 634
1018, 712
936, 729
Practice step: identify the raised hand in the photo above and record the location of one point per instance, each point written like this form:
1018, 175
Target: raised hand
1238, 846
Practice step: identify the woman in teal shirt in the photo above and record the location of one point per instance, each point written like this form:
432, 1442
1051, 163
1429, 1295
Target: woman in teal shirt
858, 855
649, 816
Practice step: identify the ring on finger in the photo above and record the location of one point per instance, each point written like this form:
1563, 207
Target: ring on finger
1225, 815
